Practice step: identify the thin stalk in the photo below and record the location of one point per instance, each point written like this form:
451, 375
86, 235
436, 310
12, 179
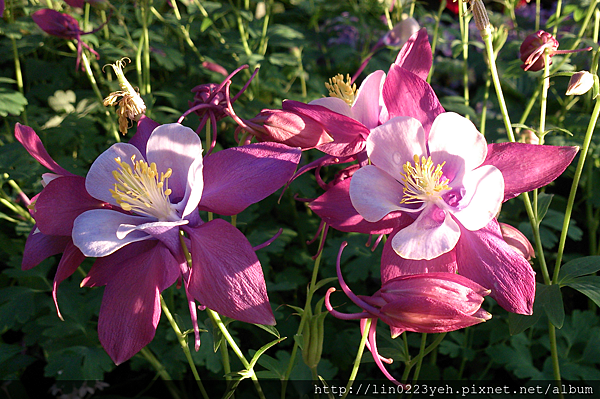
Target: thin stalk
90, 74
216, 319
184, 345
554, 354
464, 33
19, 74
359, 354
557, 16
242, 30
486, 96
571, 201
487, 38
307, 305
538, 10
104, 21
544, 98
420, 360
596, 26
145, 89
160, 370
262, 45
434, 41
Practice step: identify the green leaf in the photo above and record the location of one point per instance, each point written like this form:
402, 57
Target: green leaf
544, 201
577, 268
588, 286
270, 329
11, 102
550, 298
517, 323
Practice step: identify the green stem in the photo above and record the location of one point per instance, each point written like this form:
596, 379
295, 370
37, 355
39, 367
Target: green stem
464, 30
538, 9
359, 354
242, 30
571, 201
184, 344
434, 41
262, 46
307, 305
489, 47
420, 361
19, 74
556, 17
486, 96
90, 74
216, 319
537, 239
544, 98
145, 89
160, 370
554, 354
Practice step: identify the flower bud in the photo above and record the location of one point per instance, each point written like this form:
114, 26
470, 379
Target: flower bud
288, 127
210, 94
401, 32
430, 302
580, 83
312, 338
517, 240
533, 47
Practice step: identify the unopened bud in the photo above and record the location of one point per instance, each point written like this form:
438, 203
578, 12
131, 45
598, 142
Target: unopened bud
580, 83
482, 22
517, 241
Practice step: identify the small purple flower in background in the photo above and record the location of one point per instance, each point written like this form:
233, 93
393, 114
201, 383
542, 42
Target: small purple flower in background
425, 303
65, 26
1, 8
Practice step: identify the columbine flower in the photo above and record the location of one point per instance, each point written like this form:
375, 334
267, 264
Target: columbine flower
533, 48
131, 107
438, 181
64, 26
54, 209
581, 82
155, 191
426, 303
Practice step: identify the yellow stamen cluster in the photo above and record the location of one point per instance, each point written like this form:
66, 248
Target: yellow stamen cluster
422, 181
141, 190
342, 89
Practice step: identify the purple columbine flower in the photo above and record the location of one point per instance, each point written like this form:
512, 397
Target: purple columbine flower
64, 26
154, 188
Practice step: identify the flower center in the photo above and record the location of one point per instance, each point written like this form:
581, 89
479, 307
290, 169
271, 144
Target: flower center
140, 190
423, 181
342, 89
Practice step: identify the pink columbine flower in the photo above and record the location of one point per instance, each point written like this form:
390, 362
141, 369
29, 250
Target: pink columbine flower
153, 192
64, 26
426, 303
438, 181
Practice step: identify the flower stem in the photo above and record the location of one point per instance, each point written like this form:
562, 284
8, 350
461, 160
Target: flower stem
145, 89
359, 354
216, 319
489, 47
571, 201
556, 17
90, 74
434, 41
464, 31
311, 290
184, 346
161, 371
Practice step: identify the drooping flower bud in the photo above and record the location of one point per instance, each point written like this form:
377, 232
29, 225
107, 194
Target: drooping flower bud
517, 240
288, 127
131, 105
312, 337
533, 47
580, 83
401, 32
